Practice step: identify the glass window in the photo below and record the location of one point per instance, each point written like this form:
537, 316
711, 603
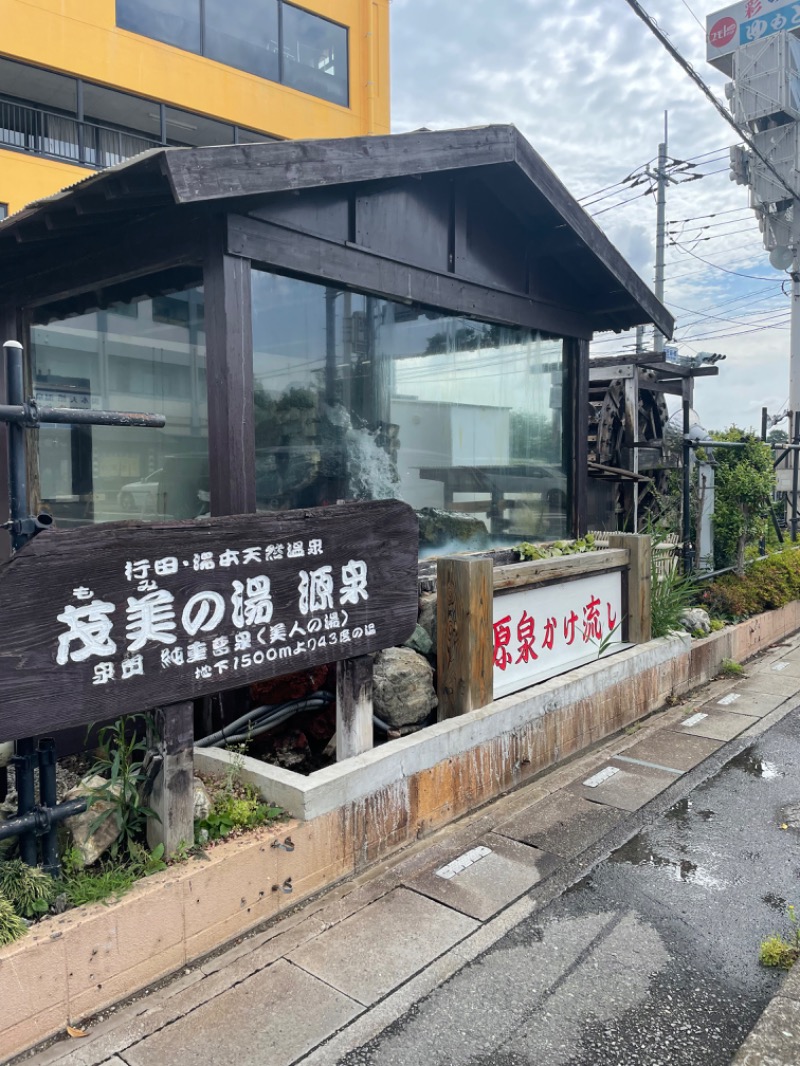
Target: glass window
174, 22
314, 55
243, 35
128, 358
360, 398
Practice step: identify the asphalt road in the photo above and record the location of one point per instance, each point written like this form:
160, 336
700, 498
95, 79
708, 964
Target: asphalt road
652, 958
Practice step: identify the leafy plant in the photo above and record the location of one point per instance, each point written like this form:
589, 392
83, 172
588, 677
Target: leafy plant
670, 595
237, 807
744, 482
120, 763
12, 926
730, 668
779, 951
110, 880
530, 551
28, 889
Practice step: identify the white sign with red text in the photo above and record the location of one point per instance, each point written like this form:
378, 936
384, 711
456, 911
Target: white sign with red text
745, 22
543, 631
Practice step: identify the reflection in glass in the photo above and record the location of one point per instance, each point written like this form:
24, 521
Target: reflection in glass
174, 22
314, 55
362, 398
243, 35
148, 355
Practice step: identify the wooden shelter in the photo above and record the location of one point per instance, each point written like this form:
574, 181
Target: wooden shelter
405, 315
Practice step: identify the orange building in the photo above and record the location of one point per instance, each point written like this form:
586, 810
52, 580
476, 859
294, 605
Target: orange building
85, 84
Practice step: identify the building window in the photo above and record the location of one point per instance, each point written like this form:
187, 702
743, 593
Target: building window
243, 35
3, 211
314, 53
175, 22
269, 38
144, 355
358, 397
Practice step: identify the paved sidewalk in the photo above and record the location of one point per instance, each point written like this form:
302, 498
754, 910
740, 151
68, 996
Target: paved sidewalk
324, 980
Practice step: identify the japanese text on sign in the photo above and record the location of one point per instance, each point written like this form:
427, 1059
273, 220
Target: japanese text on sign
540, 632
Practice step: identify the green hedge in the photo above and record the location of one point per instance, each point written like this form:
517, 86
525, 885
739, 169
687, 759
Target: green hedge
765, 585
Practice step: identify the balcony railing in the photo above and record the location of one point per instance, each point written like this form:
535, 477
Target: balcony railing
31, 129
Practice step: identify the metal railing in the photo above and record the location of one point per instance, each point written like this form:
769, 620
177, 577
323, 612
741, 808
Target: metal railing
31, 129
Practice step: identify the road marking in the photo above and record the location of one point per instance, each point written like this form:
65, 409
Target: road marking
603, 775
694, 720
732, 697
649, 765
463, 862
780, 666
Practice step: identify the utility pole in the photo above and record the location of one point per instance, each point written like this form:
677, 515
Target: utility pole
661, 226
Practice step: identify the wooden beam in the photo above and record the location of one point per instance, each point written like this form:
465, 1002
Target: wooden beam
283, 248
464, 627
354, 733
261, 168
172, 797
576, 358
229, 371
565, 567
636, 586
10, 330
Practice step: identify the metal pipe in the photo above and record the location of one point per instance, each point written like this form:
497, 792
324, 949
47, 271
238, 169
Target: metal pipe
24, 762
18, 475
687, 490
795, 473
48, 800
39, 820
30, 414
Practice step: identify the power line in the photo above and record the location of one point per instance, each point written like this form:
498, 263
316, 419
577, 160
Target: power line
622, 203
738, 273
657, 32
694, 218
691, 12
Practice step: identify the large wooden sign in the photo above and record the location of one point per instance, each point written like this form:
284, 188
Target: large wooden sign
114, 619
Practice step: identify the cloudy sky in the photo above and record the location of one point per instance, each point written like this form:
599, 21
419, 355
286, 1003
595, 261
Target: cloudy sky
587, 83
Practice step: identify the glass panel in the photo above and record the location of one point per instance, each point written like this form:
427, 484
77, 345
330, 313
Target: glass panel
314, 55
107, 107
128, 358
172, 21
243, 35
361, 398
186, 128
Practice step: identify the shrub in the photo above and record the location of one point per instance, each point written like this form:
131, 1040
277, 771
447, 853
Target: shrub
767, 584
28, 889
777, 950
670, 595
12, 926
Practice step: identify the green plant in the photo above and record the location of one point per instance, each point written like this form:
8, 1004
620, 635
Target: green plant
238, 806
670, 595
743, 487
779, 951
12, 926
98, 885
120, 763
730, 668
716, 625
530, 551
28, 889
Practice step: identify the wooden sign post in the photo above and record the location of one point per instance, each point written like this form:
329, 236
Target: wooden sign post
109, 620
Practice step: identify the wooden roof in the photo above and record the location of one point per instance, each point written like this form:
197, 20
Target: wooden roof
162, 183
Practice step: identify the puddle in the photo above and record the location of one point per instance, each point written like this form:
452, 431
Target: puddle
681, 811
778, 903
637, 852
753, 764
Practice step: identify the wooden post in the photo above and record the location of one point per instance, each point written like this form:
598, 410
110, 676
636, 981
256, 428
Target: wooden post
464, 644
636, 585
172, 797
353, 706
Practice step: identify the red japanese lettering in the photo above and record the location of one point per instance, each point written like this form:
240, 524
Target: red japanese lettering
525, 637
502, 638
592, 625
549, 633
569, 627
612, 618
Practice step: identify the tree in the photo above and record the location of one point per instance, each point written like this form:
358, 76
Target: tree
744, 483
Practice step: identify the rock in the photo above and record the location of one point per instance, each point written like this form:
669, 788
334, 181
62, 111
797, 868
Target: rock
419, 641
202, 800
91, 845
6, 753
696, 620
427, 616
403, 691
450, 532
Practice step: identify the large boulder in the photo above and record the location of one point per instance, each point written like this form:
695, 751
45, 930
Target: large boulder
6, 753
91, 842
427, 616
403, 692
696, 620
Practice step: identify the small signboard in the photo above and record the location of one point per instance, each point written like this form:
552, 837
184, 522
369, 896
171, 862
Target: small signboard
744, 22
114, 619
546, 630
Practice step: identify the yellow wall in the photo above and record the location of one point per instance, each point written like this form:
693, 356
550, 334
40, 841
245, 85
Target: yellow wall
25, 178
80, 37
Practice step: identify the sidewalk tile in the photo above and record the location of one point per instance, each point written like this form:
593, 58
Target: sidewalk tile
491, 882
379, 947
564, 824
776, 682
775, 1041
749, 700
717, 724
676, 751
629, 788
271, 1019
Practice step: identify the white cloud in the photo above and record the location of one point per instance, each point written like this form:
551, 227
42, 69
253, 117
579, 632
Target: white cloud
588, 85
